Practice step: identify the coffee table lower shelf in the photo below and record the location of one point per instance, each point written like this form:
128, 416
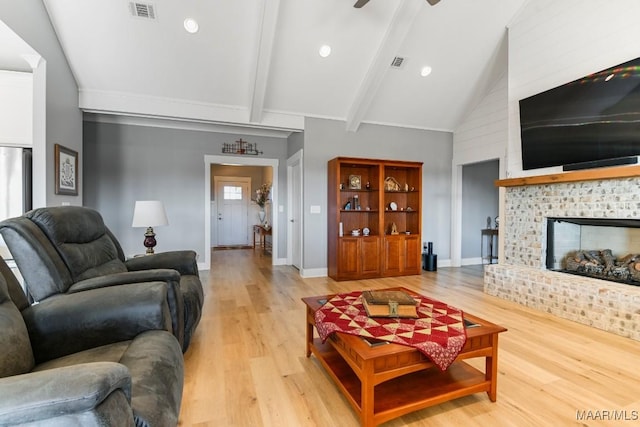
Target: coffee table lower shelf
405, 394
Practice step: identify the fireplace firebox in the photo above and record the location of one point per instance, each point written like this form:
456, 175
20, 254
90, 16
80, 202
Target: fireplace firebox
602, 248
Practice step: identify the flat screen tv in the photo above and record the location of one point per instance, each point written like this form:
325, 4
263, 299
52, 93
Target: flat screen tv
592, 119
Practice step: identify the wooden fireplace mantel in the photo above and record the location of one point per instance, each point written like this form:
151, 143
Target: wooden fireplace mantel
583, 175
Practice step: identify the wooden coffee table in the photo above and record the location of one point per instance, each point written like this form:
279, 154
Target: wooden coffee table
383, 382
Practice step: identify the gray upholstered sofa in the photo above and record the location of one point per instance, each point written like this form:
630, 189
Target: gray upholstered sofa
64, 362
68, 249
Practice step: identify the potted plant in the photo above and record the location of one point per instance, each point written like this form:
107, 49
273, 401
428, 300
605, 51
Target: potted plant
262, 195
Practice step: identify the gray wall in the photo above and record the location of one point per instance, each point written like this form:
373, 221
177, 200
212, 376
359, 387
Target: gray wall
295, 143
29, 20
326, 139
479, 201
125, 163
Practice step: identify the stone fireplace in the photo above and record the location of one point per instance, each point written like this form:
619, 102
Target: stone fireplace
530, 275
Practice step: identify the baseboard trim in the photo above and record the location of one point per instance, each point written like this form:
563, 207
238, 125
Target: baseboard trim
444, 263
313, 272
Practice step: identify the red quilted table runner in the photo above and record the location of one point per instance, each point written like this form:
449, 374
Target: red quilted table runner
438, 332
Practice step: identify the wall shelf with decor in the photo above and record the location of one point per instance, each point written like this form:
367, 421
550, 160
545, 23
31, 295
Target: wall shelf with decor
374, 218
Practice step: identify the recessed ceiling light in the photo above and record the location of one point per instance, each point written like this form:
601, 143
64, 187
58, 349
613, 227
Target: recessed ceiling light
425, 71
325, 50
191, 25
609, 77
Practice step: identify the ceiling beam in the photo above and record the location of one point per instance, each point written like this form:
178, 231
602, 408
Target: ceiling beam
262, 58
399, 26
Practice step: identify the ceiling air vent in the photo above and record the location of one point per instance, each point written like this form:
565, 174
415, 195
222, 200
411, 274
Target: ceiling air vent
397, 62
142, 10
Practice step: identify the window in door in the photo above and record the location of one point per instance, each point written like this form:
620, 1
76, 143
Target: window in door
231, 192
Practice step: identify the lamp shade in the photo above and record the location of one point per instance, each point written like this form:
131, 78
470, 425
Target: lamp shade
149, 213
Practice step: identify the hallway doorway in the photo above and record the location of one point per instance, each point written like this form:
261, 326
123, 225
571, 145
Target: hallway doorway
210, 198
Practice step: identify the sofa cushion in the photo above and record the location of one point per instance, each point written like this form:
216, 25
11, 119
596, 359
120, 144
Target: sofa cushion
193, 298
16, 356
82, 240
44, 398
105, 353
155, 361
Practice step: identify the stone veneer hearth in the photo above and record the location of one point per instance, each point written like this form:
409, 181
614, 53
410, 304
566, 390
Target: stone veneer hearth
521, 275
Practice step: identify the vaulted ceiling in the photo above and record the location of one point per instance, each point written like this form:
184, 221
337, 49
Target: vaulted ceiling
256, 62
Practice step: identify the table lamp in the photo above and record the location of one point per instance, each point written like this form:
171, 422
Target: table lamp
149, 213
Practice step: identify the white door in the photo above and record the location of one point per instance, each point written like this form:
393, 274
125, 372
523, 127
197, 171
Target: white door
294, 175
232, 205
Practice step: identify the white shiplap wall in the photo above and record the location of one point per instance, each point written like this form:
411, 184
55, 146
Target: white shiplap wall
550, 43
483, 135
554, 42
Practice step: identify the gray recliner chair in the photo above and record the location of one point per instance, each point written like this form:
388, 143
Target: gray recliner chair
68, 249
65, 363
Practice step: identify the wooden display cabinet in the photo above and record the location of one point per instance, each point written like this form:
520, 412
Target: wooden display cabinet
373, 194
359, 257
401, 255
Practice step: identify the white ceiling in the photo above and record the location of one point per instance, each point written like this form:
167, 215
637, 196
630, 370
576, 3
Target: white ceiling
256, 62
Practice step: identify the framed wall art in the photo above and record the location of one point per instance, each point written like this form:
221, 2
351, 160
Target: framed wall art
66, 167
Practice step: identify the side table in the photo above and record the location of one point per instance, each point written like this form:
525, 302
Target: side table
487, 237
262, 235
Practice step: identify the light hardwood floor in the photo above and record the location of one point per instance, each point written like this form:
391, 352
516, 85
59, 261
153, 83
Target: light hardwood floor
247, 367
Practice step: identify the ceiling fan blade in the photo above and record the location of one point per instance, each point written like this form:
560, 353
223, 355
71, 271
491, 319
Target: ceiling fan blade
360, 3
